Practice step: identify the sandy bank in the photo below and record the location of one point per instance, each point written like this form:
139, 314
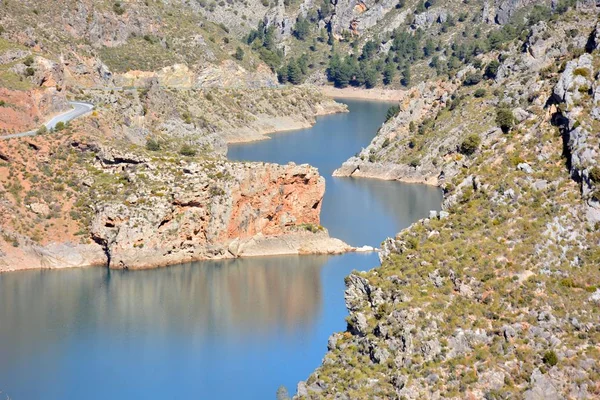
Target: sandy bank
268, 125
385, 172
364, 94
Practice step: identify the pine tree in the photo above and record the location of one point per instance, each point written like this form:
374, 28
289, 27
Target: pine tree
429, 48
303, 64
388, 73
302, 28
282, 74
406, 76
294, 74
370, 76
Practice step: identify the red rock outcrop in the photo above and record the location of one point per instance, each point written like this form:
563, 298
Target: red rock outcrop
26, 110
220, 210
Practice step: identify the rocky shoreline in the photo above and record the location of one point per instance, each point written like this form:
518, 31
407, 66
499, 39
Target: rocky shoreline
266, 125
386, 172
71, 255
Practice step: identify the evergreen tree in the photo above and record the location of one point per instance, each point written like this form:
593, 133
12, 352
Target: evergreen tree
294, 74
269, 38
344, 74
282, 74
303, 64
302, 28
429, 48
406, 78
368, 50
334, 66
370, 76
388, 73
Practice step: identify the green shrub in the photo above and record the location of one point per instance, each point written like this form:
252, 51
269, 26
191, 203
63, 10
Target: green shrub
239, 54
42, 130
2, 103
470, 145
550, 358
151, 39
152, 145
30, 71
563, 6
492, 69
60, 126
187, 118
480, 93
415, 162
392, 112
568, 282
118, 8
28, 61
472, 79
594, 174
224, 27
505, 119
187, 150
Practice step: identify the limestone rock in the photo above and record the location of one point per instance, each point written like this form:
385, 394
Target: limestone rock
542, 388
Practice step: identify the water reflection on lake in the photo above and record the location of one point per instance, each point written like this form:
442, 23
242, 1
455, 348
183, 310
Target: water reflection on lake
227, 329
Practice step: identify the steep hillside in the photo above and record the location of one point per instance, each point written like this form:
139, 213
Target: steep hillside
170, 89
497, 296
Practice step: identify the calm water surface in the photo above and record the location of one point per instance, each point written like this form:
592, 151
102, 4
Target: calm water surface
233, 329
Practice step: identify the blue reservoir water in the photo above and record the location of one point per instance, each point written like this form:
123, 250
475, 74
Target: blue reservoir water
235, 329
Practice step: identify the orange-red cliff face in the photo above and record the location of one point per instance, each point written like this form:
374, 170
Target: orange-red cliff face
285, 199
27, 110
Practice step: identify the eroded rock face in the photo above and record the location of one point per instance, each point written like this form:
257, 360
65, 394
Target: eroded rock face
575, 86
358, 16
105, 28
29, 109
505, 9
218, 210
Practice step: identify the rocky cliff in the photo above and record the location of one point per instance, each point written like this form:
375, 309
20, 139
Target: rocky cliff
133, 209
210, 210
